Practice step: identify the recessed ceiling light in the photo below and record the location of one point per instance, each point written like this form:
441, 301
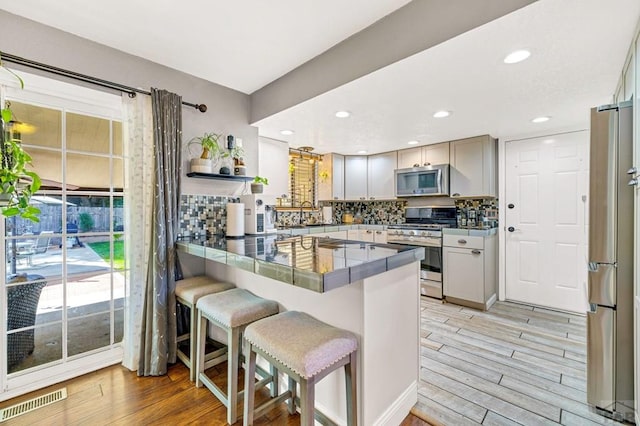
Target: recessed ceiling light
362, 151
442, 114
541, 119
517, 56
286, 132
343, 114
413, 142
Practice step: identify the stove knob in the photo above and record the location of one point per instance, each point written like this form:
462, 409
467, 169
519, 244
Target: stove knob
399, 232
412, 232
424, 234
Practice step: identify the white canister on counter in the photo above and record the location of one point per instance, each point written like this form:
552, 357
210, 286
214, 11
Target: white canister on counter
235, 220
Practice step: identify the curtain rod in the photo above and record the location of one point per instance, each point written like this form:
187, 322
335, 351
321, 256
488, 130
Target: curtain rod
132, 91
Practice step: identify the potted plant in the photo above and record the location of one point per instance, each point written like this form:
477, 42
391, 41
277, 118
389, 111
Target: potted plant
209, 155
17, 183
257, 186
237, 153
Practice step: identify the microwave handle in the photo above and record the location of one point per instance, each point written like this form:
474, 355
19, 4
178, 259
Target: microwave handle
440, 179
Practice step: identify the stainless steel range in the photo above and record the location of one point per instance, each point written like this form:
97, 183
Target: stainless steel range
423, 227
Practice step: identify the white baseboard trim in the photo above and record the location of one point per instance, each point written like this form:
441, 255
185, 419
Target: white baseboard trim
400, 408
491, 301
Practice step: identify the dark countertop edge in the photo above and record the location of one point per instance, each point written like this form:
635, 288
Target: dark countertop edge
328, 280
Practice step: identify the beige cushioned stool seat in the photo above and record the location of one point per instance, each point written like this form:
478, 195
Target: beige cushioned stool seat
304, 344
236, 307
192, 289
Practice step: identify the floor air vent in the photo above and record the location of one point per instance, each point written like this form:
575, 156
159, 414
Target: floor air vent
32, 404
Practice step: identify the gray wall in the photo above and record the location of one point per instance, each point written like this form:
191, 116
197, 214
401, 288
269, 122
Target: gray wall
228, 109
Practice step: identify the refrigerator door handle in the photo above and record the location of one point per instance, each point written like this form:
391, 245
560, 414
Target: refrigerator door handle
602, 283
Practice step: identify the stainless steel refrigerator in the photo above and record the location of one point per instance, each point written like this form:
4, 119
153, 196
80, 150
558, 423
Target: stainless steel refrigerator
610, 369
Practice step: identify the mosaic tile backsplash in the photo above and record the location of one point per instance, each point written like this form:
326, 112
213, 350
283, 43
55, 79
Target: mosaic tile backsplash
370, 213
202, 215
477, 213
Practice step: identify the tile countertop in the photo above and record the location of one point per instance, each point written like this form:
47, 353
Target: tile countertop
470, 232
316, 263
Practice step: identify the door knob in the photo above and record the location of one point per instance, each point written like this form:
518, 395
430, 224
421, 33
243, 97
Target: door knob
511, 229
633, 182
632, 171
510, 206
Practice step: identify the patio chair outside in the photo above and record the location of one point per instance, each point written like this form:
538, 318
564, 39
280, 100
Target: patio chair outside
22, 306
42, 243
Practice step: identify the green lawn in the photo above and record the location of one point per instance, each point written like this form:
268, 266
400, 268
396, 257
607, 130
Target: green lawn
102, 249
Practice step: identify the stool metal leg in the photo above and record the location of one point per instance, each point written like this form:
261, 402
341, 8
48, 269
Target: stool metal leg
249, 384
351, 379
307, 405
232, 374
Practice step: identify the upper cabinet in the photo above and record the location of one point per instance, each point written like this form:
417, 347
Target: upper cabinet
473, 170
424, 156
355, 177
380, 175
331, 177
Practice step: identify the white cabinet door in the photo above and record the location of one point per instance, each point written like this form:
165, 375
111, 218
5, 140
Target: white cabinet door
473, 167
355, 177
463, 273
409, 158
274, 165
435, 154
331, 177
380, 176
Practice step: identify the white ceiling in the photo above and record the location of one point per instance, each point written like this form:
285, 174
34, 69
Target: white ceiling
242, 44
578, 49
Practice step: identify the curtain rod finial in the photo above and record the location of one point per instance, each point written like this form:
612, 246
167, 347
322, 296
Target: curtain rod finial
201, 107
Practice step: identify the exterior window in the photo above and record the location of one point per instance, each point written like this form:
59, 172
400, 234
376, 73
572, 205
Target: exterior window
303, 179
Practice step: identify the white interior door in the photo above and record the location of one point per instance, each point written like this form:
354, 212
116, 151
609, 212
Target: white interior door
547, 184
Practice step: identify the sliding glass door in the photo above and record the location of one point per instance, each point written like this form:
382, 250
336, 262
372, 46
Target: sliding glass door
64, 283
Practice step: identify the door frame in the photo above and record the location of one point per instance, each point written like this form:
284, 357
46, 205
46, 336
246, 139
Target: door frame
502, 192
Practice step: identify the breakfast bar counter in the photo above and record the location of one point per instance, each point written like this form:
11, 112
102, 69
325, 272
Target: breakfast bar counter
369, 289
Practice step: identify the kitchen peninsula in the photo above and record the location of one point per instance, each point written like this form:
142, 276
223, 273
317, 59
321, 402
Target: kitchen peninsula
370, 289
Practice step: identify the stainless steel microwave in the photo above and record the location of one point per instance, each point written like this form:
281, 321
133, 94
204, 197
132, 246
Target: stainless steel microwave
421, 181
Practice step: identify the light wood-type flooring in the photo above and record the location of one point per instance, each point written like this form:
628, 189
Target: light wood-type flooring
116, 396
515, 364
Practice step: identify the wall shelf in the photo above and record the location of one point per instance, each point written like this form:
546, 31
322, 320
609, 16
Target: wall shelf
219, 177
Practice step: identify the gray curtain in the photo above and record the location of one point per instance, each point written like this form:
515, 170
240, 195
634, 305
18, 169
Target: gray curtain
158, 340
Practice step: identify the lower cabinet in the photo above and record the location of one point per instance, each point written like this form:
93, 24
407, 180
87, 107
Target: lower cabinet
368, 235
470, 270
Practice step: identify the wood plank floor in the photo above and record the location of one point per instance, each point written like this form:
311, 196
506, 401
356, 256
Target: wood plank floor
117, 396
515, 364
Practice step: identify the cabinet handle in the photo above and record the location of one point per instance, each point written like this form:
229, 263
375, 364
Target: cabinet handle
476, 252
363, 198
461, 241
455, 194
335, 198
369, 231
416, 165
378, 232
427, 164
372, 198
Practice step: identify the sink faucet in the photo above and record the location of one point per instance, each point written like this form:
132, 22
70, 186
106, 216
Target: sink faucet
301, 206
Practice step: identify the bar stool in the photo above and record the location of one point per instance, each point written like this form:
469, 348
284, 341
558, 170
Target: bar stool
188, 291
307, 350
231, 310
